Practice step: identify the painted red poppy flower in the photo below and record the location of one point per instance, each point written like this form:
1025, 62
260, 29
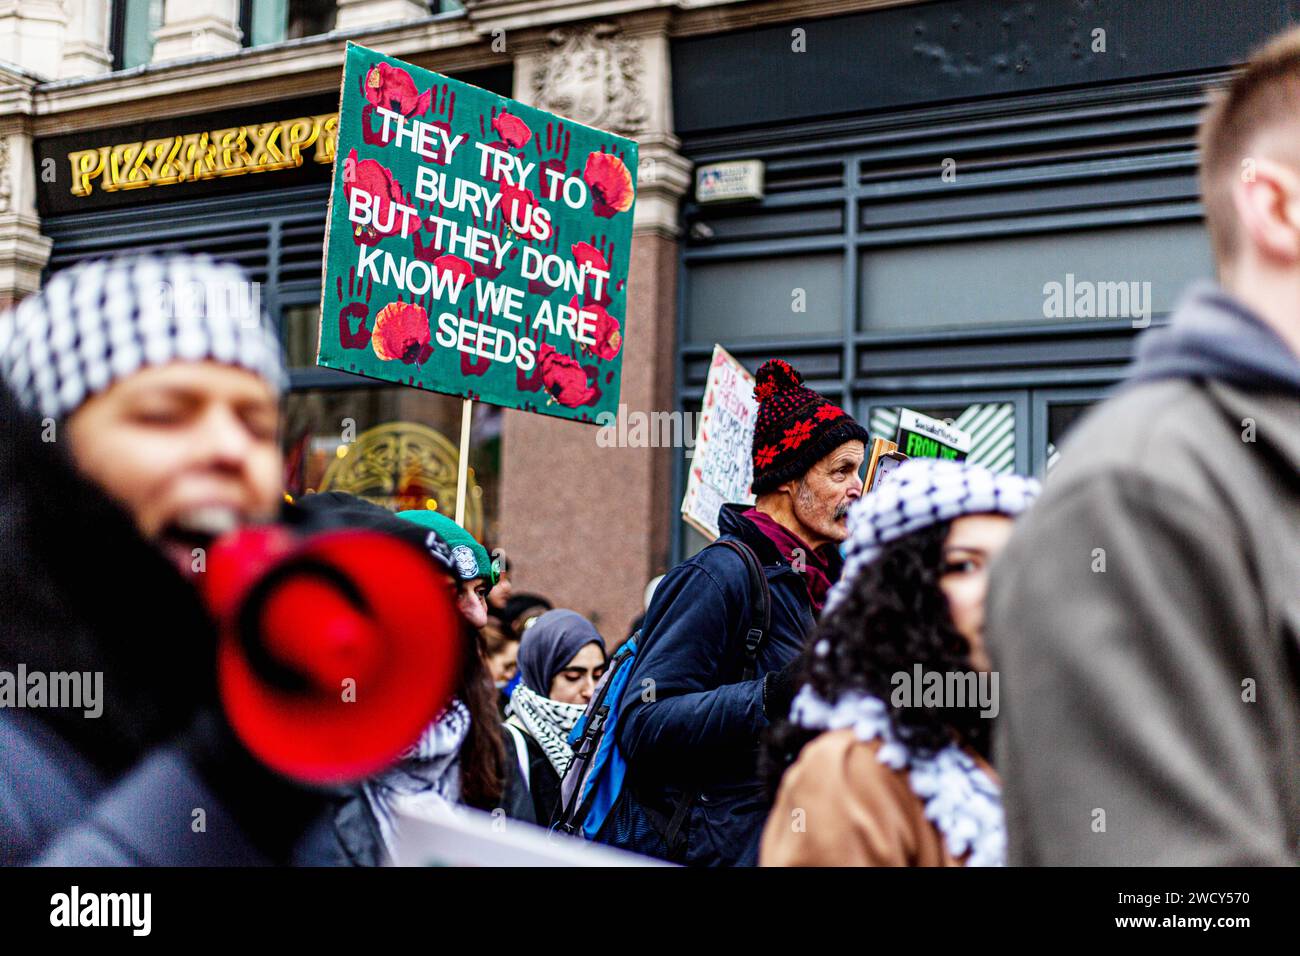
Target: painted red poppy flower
456, 266
610, 182
518, 205
608, 336
392, 88
512, 130
585, 254
371, 176
564, 379
401, 332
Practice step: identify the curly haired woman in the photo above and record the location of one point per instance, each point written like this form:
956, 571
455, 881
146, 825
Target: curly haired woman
867, 770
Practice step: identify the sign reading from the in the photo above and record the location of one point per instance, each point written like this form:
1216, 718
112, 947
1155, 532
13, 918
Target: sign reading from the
920, 436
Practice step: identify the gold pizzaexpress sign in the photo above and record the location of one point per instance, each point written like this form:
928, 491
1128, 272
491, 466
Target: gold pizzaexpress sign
193, 157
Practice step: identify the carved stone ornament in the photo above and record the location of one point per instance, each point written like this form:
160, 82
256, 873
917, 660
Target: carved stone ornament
592, 75
6, 190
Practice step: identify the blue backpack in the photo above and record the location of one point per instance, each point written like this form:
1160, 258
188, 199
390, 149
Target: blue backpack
594, 779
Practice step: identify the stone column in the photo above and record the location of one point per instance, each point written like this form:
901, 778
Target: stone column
85, 45
193, 28
367, 13
31, 35
585, 525
23, 250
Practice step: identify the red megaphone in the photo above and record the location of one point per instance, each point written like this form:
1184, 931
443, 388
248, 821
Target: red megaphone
336, 650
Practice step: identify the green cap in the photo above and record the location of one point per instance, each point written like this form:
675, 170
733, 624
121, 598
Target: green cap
470, 557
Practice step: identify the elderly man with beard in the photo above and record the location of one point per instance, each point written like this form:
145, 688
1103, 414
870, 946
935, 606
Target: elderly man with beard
700, 695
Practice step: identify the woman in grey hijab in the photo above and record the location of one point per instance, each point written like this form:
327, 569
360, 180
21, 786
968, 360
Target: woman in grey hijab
561, 657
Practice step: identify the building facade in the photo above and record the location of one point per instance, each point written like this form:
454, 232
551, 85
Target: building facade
969, 208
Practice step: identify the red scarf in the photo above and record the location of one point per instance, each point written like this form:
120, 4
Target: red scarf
816, 571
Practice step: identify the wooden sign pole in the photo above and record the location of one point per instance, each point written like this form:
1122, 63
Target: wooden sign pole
462, 471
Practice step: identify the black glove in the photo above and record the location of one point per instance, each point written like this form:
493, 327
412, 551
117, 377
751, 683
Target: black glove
778, 689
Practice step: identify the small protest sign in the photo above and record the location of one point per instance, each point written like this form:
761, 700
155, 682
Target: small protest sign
722, 466
920, 436
476, 246
884, 459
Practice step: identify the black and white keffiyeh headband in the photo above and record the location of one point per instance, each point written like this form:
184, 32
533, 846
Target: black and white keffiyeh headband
103, 320
922, 492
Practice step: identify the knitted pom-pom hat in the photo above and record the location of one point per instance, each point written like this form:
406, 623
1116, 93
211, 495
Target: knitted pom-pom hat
795, 428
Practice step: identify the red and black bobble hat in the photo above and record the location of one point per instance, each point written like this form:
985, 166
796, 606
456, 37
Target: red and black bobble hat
796, 427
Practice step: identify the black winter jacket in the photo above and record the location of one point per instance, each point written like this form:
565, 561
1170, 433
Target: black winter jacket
689, 725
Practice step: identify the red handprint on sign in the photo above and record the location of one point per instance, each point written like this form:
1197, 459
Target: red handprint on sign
497, 225
553, 155
356, 305
443, 106
532, 381
474, 364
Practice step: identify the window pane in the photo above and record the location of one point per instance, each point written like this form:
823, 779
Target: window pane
396, 447
269, 20
300, 330
1000, 281
783, 297
140, 18
309, 18
992, 427
1061, 417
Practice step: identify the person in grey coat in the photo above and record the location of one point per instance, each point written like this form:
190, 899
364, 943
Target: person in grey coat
1145, 618
131, 435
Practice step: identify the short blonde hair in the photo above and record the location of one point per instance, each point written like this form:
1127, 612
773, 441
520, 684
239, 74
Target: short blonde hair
1260, 99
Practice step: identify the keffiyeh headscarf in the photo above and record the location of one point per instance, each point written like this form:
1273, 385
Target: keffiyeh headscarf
426, 778
104, 320
548, 721
922, 492
546, 648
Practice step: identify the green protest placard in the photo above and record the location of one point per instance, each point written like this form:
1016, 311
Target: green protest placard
920, 436
476, 246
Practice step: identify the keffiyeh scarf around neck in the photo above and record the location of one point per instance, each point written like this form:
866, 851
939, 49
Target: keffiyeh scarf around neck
962, 801
426, 778
548, 721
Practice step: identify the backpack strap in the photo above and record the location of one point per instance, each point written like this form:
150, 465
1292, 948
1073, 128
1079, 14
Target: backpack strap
760, 624
760, 606
521, 754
